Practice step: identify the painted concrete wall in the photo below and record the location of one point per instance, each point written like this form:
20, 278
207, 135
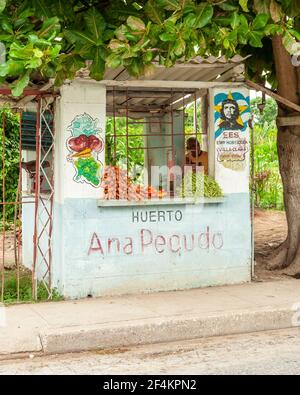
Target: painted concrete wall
110, 251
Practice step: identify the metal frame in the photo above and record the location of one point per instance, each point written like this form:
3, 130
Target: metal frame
43, 203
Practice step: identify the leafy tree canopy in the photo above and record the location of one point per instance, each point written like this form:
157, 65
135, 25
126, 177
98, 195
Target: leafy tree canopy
54, 39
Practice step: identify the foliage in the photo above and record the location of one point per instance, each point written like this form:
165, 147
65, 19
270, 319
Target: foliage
25, 289
55, 39
117, 156
11, 157
267, 181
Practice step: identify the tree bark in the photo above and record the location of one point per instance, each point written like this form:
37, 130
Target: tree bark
287, 256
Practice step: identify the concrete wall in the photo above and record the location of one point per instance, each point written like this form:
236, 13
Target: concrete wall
109, 251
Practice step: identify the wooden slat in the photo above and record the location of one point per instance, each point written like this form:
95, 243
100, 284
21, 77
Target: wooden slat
288, 121
275, 96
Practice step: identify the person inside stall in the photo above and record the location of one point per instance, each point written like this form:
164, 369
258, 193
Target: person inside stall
195, 156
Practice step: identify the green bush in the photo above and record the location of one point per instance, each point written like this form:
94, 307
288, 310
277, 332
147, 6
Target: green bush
267, 186
12, 159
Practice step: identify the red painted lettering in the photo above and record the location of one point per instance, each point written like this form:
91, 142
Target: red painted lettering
171, 244
128, 248
144, 240
95, 245
111, 241
160, 241
192, 244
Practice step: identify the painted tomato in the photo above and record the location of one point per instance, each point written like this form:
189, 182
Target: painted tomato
95, 144
79, 144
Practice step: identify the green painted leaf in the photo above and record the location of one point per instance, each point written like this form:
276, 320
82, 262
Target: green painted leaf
260, 21
204, 14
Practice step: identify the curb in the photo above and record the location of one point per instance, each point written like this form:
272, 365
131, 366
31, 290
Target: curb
159, 330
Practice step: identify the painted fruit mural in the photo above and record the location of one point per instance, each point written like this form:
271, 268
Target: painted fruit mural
85, 146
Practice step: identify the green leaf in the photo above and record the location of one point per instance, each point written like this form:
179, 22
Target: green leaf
235, 21
190, 20
255, 39
20, 85
113, 61
227, 7
244, 5
95, 23
155, 13
98, 66
179, 47
136, 24
49, 26
169, 5
260, 21
167, 36
204, 14
2, 5
77, 37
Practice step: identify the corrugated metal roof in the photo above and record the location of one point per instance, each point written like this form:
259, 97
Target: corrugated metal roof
198, 69
207, 69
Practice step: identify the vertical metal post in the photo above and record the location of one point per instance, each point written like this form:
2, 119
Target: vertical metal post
114, 126
37, 195
127, 138
19, 237
252, 200
3, 208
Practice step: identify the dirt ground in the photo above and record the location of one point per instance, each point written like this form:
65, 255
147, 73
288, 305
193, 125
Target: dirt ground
269, 229
9, 256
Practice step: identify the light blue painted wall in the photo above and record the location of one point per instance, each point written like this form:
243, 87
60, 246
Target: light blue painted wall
78, 274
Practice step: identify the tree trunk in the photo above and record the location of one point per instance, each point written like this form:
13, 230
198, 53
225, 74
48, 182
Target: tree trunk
287, 256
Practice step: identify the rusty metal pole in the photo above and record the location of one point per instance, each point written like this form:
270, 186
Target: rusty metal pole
3, 208
37, 197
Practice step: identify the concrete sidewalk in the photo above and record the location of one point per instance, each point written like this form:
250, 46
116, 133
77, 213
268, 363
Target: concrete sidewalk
150, 318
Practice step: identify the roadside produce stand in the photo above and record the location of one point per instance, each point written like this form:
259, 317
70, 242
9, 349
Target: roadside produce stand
121, 219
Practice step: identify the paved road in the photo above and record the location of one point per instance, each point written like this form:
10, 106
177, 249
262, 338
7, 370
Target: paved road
275, 352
